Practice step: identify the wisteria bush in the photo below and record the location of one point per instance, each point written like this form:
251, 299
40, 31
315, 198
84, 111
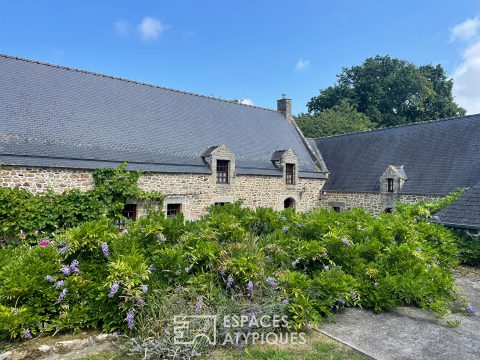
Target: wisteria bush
307, 266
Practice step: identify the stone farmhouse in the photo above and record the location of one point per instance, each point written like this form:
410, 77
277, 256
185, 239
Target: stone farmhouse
58, 124
422, 161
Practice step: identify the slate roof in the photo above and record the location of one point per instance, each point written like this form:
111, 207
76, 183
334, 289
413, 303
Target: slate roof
57, 116
465, 211
438, 156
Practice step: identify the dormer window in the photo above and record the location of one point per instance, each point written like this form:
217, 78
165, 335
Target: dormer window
389, 185
290, 174
223, 171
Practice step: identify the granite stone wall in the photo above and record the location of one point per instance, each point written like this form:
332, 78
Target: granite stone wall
194, 191
372, 202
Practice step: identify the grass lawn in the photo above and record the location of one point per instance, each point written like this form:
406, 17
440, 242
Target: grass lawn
318, 347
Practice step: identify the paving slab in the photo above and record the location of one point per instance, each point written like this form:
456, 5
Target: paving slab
412, 333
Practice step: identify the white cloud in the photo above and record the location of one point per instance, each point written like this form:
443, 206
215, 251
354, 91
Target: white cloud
302, 65
466, 30
246, 102
466, 87
151, 28
122, 27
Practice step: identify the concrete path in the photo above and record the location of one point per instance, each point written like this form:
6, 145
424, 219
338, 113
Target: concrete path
411, 333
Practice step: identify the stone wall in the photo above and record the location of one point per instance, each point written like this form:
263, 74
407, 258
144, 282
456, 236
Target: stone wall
372, 202
194, 191
38, 180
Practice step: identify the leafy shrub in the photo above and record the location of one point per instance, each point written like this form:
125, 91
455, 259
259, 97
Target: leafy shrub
233, 260
27, 218
469, 248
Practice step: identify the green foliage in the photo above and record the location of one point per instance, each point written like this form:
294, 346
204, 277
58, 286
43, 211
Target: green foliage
391, 92
232, 261
469, 247
340, 119
25, 217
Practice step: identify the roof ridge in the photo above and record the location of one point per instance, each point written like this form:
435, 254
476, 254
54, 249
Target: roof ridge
400, 126
88, 72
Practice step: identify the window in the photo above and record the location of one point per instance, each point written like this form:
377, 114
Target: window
290, 174
336, 209
289, 203
222, 171
220, 203
130, 212
174, 209
390, 185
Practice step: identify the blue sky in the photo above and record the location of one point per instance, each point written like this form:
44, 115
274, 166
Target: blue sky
254, 50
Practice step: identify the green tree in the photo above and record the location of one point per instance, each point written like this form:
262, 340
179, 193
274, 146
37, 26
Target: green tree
340, 119
391, 92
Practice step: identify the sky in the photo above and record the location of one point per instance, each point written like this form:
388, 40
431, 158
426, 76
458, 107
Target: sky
251, 50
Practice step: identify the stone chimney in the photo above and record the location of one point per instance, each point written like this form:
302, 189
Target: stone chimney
284, 105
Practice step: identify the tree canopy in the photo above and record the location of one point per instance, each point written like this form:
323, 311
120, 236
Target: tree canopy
391, 92
340, 119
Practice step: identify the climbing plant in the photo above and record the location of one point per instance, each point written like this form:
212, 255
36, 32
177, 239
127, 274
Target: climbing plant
25, 217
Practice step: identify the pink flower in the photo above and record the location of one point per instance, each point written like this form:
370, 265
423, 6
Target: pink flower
44, 243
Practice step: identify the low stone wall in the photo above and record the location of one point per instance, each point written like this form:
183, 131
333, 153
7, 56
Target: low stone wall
194, 191
374, 203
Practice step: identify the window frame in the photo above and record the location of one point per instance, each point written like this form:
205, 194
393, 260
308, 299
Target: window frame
177, 211
290, 173
223, 171
390, 185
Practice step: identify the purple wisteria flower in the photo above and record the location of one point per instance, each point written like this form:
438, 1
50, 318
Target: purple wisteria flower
160, 238
198, 305
63, 250
285, 301
60, 284
130, 318
27, 334
187, 270
113, 289
268, 259
285, 229
295, 263
229, 281
250, 287
471, 310
74, 267
144, 288
105, 249
50, 278
419, 249
140, 301
271, 281
325, 267
346, 242
61, 296
66, 270
222, 273
309, 326
178, 288
151, 268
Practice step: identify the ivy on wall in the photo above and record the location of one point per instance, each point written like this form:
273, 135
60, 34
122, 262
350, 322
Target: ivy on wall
25, 217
